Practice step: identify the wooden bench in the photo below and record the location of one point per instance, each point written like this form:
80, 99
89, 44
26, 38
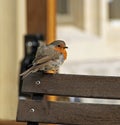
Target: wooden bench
39, 110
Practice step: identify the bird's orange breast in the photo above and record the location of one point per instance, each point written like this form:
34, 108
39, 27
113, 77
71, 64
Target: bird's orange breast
62, 51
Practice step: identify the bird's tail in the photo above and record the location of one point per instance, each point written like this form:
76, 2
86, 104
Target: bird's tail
32, 69
27, 72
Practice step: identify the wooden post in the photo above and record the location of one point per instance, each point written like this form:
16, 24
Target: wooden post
51, 20
41, 18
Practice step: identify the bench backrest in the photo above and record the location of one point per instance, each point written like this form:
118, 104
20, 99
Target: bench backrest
39, 110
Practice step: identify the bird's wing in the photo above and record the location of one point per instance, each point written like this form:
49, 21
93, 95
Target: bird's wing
32, 69
45, 55
42, 58
41, 48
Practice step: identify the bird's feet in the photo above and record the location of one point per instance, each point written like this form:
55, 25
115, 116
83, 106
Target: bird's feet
52, 71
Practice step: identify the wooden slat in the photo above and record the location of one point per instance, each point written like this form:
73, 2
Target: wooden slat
73, 85
66, 113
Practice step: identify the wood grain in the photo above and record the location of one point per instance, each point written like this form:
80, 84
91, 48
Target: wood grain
69, 113
41, 18
73, 85
51, 20
36, 17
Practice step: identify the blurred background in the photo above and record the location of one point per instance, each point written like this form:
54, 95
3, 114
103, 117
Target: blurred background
91, 29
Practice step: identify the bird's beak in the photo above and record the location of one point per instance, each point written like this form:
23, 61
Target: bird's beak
65, 47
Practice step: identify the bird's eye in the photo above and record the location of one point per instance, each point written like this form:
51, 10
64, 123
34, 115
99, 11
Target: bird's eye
58, 45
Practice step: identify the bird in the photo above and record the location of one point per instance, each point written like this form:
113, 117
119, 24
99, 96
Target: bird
48, 58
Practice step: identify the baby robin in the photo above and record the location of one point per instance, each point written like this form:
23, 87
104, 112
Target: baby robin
48, 58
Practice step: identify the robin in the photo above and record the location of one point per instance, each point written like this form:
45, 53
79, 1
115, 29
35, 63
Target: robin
48, 58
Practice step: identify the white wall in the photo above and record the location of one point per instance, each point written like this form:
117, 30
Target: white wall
12, 23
